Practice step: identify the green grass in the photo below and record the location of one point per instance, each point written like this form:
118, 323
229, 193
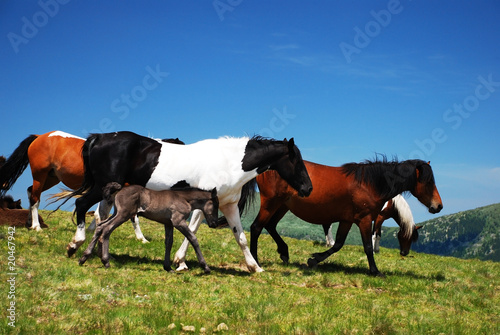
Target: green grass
421, 294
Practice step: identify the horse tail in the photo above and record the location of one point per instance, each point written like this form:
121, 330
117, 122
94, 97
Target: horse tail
109, 190
88, 178
247, 197
405, 214
15, 165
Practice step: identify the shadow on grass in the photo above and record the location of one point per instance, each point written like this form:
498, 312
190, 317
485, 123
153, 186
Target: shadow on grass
125, 260
350, 270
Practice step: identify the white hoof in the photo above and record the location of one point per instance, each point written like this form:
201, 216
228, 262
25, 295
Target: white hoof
182, 267
143, 240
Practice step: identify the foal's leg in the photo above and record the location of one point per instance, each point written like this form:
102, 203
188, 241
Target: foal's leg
97, 234
106, 233
342, 232
180, 255
181, 226
169, 238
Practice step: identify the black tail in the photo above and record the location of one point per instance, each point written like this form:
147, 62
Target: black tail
88, 179
247, 196
109, 190
15, 165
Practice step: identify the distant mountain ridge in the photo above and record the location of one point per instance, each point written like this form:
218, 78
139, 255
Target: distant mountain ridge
469, 234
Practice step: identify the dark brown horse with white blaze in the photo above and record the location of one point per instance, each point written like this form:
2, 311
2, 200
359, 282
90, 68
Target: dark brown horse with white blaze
352, 193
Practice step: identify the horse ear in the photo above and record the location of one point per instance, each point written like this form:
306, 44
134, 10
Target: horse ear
429, 163
418, 227
214, 192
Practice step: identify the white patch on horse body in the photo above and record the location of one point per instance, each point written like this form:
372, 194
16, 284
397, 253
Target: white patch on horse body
205, 165
402, 207
63, 134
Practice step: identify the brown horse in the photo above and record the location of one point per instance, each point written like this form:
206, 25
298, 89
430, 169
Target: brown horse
352, 193
398, 209
53, 157
169, 207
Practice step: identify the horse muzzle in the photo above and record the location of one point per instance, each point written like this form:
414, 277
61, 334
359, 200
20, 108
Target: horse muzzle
305, 191
433, 209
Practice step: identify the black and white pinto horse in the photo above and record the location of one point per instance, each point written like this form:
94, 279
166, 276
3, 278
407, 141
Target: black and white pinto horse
226, 164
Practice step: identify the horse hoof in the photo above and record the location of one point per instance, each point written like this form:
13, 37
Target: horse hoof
182, 267
71, 251
207, 270
312, 262
378, 274
82, 261
285, 259
144, 241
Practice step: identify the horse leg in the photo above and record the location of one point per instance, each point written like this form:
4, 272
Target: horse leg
82, 204
41, 182
97, 234
137, 230
365, 228
268, 217
342, 231
107, 229
232, 214
169, 238
327, 229
191, 237
180, 255
32, 221
101, 213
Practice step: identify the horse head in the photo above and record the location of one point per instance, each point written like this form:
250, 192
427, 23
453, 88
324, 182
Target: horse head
211, 209
282, 156
425, 187
291, 168
405, 240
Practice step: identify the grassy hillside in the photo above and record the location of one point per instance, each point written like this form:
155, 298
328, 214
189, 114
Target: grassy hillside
422, 294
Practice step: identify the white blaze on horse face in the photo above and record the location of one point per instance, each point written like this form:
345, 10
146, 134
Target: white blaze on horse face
63, 134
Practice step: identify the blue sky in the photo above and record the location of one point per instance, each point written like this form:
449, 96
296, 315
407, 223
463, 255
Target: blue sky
347, 80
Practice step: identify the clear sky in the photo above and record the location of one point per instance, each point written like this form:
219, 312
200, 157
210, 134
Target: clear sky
346, 79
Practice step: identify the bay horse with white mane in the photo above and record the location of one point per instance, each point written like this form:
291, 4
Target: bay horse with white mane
169, 207
398, 209
225, 163
352, 193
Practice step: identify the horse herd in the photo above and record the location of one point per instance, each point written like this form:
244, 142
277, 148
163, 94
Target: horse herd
165, 180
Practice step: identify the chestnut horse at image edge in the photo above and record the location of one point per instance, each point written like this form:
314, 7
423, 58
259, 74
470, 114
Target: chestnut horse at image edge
352, 193
53, 157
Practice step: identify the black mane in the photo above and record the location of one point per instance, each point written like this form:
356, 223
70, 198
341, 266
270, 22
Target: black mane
390, 178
